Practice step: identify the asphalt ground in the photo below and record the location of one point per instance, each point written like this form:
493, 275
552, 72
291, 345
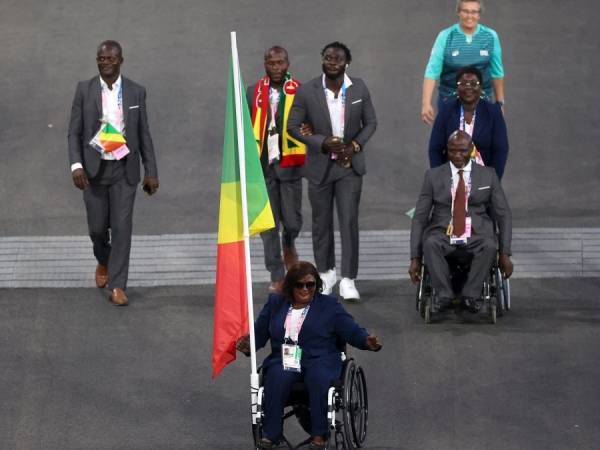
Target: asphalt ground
179, 50
78, 373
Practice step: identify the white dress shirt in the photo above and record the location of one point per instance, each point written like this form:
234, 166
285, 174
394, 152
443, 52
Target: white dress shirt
466, 177
337, 106
112, 111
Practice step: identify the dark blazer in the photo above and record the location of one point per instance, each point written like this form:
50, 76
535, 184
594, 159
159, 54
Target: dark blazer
310, 106
86, 113
283, 173
489, 135
326, 322
487, 200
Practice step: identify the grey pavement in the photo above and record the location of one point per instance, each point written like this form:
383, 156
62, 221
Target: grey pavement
179, 51
190, 259
78, 373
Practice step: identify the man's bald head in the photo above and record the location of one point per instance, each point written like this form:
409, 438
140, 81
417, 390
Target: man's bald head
460, 135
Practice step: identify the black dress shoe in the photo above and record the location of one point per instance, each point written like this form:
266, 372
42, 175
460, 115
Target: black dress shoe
473, 305
444, 303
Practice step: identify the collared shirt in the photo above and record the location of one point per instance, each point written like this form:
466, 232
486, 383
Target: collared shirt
337, 106
466, 176
113, 108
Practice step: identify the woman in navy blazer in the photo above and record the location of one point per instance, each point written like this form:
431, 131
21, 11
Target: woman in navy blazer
325, 323
489, 128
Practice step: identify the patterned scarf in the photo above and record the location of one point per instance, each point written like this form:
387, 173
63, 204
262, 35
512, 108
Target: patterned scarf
293, 152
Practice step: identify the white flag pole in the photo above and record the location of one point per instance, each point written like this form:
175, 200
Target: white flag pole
237, 89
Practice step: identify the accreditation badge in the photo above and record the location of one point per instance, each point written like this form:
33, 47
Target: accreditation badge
462, 240
273, 146
291, 355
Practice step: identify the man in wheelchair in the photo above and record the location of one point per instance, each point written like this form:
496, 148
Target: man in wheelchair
305, 328
456, 211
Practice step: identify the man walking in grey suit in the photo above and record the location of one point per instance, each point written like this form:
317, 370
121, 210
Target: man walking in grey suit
339, 109
281, 158
458, 205
108, 135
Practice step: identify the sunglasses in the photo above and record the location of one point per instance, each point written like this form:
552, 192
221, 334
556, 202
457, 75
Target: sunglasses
308, 285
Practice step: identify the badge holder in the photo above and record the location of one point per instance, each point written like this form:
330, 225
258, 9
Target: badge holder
273, 145
291, 355
460, 240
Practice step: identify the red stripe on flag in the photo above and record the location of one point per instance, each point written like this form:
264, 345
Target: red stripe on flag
231, 309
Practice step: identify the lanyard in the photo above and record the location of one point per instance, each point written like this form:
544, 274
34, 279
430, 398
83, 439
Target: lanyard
273, 105
106, 102
462, 122
288, 324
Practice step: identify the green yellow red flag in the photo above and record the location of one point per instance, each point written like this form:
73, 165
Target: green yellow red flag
231, 308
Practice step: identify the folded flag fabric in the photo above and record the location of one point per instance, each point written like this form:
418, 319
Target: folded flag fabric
110, 140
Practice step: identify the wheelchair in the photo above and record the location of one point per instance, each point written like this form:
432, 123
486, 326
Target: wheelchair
495, 292
347, 412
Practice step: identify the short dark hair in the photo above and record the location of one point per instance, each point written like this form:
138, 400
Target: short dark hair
111, 44
276, 49
460, 134
297, 272
337, 44
469, 70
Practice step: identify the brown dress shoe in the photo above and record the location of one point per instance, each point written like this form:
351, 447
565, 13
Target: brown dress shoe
290, 256
118, 297
101, 276
275, 287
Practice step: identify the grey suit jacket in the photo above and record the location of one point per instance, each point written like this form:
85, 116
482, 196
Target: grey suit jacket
283, 173
86, 113
310, 106
486, 201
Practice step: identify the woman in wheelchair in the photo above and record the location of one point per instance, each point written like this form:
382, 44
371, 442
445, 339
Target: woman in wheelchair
305, 328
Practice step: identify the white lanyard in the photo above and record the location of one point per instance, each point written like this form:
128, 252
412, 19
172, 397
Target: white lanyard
274, 106
288, 325
462, 123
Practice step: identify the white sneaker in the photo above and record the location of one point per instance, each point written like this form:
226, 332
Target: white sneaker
348, 291
329, 280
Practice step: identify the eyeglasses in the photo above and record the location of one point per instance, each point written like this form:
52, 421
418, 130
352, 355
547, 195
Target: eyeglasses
471, 12
308, 285
466, 84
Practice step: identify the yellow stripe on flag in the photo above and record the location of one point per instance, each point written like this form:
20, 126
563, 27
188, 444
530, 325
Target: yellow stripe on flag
230, 220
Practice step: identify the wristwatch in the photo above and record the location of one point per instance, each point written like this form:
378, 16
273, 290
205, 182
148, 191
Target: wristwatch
356, 146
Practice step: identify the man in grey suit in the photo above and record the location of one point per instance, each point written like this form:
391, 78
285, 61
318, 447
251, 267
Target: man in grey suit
283, 178
472, 205
109, 179
339, 109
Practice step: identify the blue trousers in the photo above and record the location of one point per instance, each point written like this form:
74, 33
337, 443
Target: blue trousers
278, 384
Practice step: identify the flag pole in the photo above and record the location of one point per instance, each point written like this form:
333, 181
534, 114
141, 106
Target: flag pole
246, 234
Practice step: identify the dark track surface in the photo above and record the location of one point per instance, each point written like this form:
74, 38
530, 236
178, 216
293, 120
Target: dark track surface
78, 373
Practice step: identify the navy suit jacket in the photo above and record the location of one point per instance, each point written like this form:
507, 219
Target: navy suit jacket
490, 136
326, 323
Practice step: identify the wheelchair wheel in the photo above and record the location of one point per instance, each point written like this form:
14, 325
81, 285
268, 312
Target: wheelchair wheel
427, 314
355, 405
506, 293
257, 434
493, 314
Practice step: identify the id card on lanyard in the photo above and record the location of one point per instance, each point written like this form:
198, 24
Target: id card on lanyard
291, 352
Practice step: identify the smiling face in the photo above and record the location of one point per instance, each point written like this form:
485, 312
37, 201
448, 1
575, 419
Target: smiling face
468, 15
304, 290
468, 88
334, 62
109, 62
